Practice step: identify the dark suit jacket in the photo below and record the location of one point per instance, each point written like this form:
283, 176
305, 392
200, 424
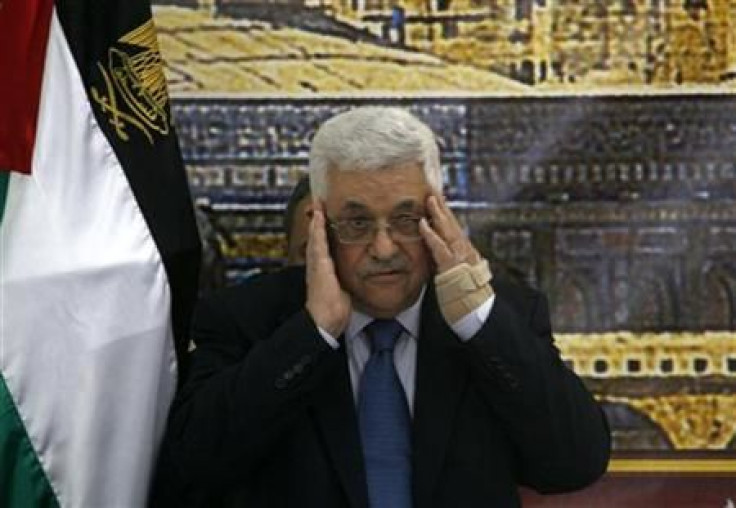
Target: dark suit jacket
267, 418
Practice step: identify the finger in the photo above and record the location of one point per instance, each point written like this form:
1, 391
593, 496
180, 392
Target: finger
461, 244
449, 214
317, 248
309, 210
437, 247
443, 220
451, 232
443, 225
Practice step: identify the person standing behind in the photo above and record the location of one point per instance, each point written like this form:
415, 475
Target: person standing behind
394, 371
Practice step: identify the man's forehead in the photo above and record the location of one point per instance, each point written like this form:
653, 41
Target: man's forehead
380, 190
411, 173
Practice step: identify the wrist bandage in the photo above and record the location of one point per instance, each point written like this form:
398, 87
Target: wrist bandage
462, 289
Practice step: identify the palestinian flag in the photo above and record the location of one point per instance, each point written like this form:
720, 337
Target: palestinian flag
99, 253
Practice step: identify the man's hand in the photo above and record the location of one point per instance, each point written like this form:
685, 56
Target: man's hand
445, 237
327, 302
462, 280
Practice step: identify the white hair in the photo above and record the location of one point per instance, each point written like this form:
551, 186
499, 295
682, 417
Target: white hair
372, 138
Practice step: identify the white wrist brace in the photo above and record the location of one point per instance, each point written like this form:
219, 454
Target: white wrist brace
462, 289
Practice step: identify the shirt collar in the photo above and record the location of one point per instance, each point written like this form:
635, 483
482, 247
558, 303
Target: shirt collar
409, 319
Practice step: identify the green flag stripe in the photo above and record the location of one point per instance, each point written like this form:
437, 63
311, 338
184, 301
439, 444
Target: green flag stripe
4, 180
23, 482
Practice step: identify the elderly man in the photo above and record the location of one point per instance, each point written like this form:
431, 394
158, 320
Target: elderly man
393, 372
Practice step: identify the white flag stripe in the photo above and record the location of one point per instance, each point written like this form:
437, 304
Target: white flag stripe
87, 349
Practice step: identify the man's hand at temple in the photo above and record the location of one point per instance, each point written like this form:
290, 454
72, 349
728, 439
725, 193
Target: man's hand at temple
327, 302
463, 278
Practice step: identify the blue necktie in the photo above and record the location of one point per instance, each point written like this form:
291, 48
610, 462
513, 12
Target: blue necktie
385, 422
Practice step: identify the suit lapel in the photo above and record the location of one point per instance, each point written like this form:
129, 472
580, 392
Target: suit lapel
336, 417
440, 381
334, 409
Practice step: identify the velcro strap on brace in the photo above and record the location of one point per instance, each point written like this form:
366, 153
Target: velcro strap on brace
462, 289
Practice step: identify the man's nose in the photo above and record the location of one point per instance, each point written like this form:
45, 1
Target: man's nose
383, 245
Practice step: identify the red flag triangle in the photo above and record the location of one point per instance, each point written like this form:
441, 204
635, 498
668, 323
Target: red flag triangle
24, 29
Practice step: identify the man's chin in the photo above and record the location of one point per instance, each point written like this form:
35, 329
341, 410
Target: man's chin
384, 302
381, 313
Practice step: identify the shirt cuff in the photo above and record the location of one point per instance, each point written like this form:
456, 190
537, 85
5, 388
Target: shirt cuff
329, 339
468, 325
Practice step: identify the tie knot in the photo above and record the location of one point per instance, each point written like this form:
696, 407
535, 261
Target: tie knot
384, 333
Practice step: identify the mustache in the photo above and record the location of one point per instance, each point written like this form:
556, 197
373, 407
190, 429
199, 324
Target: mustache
375, 267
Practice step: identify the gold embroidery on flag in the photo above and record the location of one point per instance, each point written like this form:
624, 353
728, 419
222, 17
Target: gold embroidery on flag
135, 86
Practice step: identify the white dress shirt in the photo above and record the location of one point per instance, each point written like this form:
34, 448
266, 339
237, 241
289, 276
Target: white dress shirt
358, 345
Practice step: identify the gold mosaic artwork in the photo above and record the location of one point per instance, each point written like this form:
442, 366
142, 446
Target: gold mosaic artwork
468, 47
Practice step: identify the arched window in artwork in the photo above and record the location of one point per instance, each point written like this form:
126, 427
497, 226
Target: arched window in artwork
651, 305
718, 307
570, 306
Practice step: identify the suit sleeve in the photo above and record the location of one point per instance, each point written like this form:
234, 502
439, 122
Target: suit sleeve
247, 385
559, 433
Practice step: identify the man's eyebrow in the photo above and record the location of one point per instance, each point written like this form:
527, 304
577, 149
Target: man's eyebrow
409, 204
354, 206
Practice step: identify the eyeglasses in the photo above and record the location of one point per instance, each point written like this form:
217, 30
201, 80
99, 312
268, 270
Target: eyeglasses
362, 230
